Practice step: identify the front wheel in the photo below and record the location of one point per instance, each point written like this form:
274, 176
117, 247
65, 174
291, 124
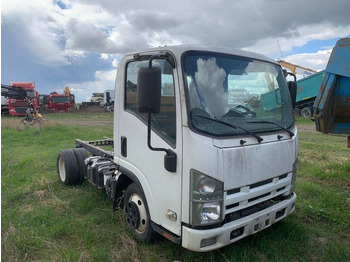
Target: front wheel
137, 214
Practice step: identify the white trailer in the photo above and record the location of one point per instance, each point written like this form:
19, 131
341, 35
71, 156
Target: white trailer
195, 168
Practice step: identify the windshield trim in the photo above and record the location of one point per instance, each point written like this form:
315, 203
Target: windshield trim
187, 98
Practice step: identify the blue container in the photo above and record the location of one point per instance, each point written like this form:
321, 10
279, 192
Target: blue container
332, 104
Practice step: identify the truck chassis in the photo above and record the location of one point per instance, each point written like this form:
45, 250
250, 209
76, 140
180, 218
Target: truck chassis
75, 165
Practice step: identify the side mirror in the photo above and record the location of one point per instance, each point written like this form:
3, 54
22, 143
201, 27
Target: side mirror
292, 86
149, 84
149, 90
170, 160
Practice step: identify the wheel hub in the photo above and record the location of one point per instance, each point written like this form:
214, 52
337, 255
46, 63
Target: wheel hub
132, 214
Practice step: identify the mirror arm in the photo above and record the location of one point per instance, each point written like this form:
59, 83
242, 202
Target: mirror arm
149, 128
293, 75
170, 58
152, 58
170, 157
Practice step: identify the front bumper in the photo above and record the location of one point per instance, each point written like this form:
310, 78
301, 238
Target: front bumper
210, 239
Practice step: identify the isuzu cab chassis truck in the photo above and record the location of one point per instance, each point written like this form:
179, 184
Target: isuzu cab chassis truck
191, 161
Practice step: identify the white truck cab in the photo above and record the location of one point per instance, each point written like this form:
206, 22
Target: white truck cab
199, 169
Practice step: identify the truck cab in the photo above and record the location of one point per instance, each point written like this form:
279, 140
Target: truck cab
18, 107
236, 164
58, 102
198, 165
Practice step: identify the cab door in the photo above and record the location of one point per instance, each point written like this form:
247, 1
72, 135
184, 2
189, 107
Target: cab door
162, 188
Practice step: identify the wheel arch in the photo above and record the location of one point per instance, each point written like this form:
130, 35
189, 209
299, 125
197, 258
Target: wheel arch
124, 180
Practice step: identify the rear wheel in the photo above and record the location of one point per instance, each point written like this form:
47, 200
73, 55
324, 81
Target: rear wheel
81, 154
306, 112
67, 167
296, 111
137, 214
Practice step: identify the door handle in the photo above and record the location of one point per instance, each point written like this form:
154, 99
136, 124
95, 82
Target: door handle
123, 145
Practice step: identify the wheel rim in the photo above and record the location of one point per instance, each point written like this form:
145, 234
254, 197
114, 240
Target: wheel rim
138, 223
132, 214
62, 169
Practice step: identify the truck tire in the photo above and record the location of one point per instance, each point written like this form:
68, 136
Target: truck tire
137, 214
296, 112
81, 154
306, 112
67, 167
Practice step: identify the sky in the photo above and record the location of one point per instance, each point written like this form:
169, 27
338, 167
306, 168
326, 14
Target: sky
79, 42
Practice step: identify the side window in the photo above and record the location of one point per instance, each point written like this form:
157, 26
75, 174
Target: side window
164, 123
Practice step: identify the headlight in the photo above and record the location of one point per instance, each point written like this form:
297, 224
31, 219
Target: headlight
206, 199
211, 212
206, 185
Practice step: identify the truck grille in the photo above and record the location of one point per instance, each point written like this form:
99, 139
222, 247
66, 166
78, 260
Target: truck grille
19, 103
246, 200
60, 108
21, 110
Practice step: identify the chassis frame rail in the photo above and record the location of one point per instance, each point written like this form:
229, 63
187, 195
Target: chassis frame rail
94, 147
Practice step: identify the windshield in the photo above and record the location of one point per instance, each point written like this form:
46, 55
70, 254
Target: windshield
60, 99
30, 93
247, 93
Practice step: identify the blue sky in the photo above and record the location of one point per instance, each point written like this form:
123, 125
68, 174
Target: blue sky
78, 43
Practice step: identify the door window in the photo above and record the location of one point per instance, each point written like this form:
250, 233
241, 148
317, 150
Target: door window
164, 123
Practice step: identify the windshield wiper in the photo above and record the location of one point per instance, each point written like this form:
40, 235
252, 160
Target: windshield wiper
259, 138
272, 123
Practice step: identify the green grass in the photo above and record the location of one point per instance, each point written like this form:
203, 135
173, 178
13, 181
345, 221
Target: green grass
79, 115
43, 220
304, 121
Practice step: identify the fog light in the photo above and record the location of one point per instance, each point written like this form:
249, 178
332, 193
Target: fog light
208, 241
237, 232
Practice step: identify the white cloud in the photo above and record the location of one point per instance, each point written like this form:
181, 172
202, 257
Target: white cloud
118, 27
104, 56
163, 38
87, 37
303, 35
83, 90
90, 14
106, 75
115, 63
59, 36
36, 22
127, 39
104, 81
316, 61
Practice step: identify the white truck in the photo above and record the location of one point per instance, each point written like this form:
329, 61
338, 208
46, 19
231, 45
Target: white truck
187, 164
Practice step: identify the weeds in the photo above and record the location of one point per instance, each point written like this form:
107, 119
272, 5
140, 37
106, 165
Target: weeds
43, 220
16, 124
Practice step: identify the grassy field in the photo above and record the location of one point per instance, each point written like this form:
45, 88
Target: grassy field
43, 220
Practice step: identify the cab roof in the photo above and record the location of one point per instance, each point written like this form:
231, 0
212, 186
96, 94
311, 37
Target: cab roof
178, 50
